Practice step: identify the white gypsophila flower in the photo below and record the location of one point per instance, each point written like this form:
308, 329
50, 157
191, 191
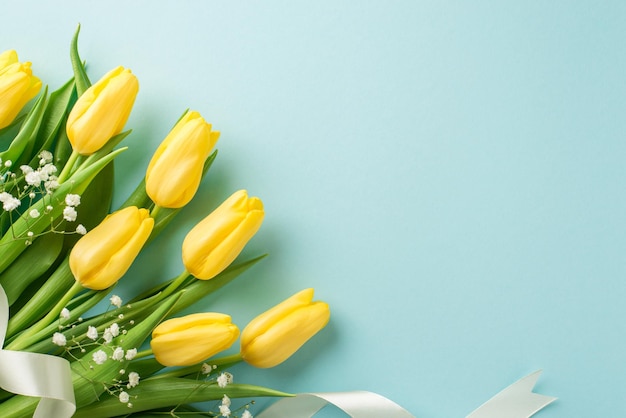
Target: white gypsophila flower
34, 213
116, 301
115, 329
4, 196
65, 313
8, 163
99, 357
46, 156
118, 354
80, 229
26, 169
32, 195
59, 339
48, 169
11, 204
133, 379
224, 379
226, 400
130, 354
108, 337
72, 199
51, 184
69, 214
33, 178
92, 333
224, 410
246, 414
206, 368
124, 397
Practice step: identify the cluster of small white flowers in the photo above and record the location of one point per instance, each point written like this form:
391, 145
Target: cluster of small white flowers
65, 314
116, 301
38, 182
124, 397
207, 368
9, 203
225, 406
43, 174
224, 379
246, 414
106, 351
69, 212
59, 339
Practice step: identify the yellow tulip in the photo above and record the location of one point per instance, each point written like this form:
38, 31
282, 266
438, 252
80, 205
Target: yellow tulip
17, 86
275, 335
219, 238
102, 110
191, 339
175, 171
101, 257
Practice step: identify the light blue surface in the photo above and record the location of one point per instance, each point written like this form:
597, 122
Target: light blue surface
449, 176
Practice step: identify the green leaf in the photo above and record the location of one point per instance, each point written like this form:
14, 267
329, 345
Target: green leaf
26, 135
53, 118
8, 132
55, 287
80, 75
30, 265
198, 289
161, 393
62, 149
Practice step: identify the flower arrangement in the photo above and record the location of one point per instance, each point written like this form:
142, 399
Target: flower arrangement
62, 252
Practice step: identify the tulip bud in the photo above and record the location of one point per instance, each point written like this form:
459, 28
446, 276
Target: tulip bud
193, 338
102, 256
175, 171
17, 86
101, 111
272, 337
219, 238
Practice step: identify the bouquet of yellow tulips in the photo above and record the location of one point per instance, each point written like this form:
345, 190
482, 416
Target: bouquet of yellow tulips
62, 252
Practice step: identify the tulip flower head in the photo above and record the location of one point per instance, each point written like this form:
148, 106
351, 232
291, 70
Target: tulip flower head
275, 335
17, 86
193, 338
102, 256
101, 111
219, 238
175, 171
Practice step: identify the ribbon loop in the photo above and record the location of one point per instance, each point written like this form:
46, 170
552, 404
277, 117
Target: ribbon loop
33, 374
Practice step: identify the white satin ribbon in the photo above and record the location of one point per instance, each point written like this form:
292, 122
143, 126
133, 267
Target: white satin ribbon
32, 374
516, 401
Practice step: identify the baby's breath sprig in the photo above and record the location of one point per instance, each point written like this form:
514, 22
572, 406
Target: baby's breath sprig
33, 185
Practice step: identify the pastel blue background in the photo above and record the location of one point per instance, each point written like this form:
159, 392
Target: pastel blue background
449, 176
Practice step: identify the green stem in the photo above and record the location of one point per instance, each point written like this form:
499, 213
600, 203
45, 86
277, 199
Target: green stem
68, 166
29, 336
142, 354
175, 284
155, 211
184, 371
